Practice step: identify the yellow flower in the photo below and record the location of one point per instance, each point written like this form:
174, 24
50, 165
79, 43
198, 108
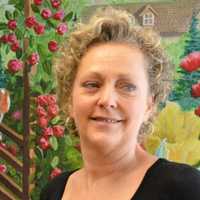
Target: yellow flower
181, 130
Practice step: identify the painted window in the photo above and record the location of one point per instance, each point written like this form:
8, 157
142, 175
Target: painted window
148, 19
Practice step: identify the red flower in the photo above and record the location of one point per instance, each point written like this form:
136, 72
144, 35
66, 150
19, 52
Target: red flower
61, 29
46, 13
41, 112
52, 111
47, 132
42, 122
51, 99
55, 172
12, 38
58, 131
3, 145
3, 168
15, 46
42, 100
30, 21
37, 2
39, 28
17, 115
12, 24
191, 62
59, 15
53, 46
195, 90
4, 38
14, 65
44, 143
55, 3
33, 59
197, 111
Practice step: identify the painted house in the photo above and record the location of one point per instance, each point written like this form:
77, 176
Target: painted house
171, 18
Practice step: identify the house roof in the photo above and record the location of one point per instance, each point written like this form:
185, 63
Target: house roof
171, 18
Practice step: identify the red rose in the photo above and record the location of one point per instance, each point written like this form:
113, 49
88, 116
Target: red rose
42, 100
53, 46
15, 46
14, 65
12, 38
3, 168
51, 99
47, 132
3, 145
41, 112
37, 2
30, 21
61, 29
39, 28
55, 3
12, 24
197, 111
44, 143
33, 59
42, 122
58, 131
191, 62
55, 172
46, 13
4, 38
195, 90
52, 111
59, 15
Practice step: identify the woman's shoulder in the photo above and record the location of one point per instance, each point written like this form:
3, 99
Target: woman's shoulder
55, 188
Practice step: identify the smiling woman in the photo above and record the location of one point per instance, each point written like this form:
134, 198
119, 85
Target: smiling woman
111, 76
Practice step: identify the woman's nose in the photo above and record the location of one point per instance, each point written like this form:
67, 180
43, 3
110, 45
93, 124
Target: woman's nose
107, 98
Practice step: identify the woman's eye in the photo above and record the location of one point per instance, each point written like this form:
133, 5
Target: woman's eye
90, 85
128, 87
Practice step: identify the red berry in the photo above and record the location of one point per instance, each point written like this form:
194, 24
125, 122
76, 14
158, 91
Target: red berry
12, 38
33, 59
61, 29
55, 3
42, 100
39, 28
52, 111
47, 132
46, 13
195, 90
30, 21
4, 38
42, 122
41, 112
12, 24
59, 15
55, 172
14, 65
44, 143
53, 46
197, 111
3, 168
37, 2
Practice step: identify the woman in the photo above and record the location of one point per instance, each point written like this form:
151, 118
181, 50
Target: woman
111, 76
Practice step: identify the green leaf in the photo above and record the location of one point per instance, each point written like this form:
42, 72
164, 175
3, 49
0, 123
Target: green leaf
19, 53
55, 120
39, 153
54, 143
35, 8
68, 140
55, 161
19, 33
3, 26
8, 15
16, 13
68, 17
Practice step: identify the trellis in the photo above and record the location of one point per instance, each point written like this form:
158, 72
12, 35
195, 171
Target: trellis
9, 190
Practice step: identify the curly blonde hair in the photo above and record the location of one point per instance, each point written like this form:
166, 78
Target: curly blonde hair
112, 25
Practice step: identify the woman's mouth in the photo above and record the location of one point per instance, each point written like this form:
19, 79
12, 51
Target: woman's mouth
106, 120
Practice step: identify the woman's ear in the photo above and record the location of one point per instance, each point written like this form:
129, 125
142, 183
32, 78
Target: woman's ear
150, 107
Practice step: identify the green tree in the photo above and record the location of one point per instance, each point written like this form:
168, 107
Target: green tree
181, 92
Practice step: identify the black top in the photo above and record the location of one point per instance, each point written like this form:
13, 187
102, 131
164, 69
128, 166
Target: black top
164, 180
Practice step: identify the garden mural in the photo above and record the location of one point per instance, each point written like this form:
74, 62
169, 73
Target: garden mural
30, 36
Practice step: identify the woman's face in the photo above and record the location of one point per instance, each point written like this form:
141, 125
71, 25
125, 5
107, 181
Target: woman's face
110, 95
